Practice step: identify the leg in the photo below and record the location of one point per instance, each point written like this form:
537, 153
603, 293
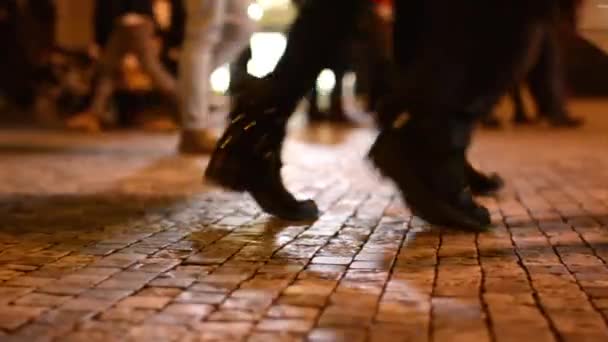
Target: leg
377, 35
238, 28
519, 110
204, 20
546, 84
336, 109
110, 64
490, 121
238, 72
248, 155
314, 112
141, 32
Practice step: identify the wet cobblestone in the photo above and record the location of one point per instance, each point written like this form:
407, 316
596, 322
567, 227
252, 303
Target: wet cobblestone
113, 237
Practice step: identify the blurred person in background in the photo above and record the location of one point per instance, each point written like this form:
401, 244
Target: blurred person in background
546, 80
216, 32
367, 53
27, 37
123, 27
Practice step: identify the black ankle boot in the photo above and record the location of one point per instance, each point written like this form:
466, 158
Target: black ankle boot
482, 184
430, 170
248, 159
490, 121
520, 118
565, 121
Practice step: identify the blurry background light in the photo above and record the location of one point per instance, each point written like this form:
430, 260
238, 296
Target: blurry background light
326, 81
220, 79
266, 50
266, 4
255, 12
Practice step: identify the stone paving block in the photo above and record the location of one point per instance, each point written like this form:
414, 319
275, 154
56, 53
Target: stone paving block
41, 300
87, 304
156, 332
275, 337
9, 294
200, 297
133, 316
145, 302
13, 317
292, 312
337, 334
64, 318
233, 315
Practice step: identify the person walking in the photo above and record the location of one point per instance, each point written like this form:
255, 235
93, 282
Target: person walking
216, 32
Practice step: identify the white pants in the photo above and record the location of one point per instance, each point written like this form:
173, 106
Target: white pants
216, 32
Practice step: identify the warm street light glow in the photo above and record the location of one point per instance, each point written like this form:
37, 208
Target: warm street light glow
220, 79
255, 12
326, 81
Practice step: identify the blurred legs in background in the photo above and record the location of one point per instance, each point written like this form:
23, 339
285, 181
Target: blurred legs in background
216, 32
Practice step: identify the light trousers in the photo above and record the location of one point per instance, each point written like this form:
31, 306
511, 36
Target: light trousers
216, 32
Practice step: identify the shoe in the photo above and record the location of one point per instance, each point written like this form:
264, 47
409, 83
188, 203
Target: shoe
248, 159
520, 118
565, 121
430, 174
85, 122
491, 122
482, 184
197, 141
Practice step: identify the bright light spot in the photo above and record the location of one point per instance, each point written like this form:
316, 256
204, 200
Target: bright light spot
162, 13
255, 12
220, 79
266, 50
270, 4
326, 81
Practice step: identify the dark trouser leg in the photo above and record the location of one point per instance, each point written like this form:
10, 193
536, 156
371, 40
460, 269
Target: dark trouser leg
336, 106
378, 34
490, 121
546, 83
238, 70
519, 110
314, 112
248, 154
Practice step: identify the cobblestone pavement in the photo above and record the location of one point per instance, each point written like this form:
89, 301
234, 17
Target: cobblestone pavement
113, 237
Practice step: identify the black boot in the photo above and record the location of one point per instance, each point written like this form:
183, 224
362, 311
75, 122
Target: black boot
482, 184
430, 170
491, 121
520, 118
337, 113
564, 120
519, 109
248, 158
